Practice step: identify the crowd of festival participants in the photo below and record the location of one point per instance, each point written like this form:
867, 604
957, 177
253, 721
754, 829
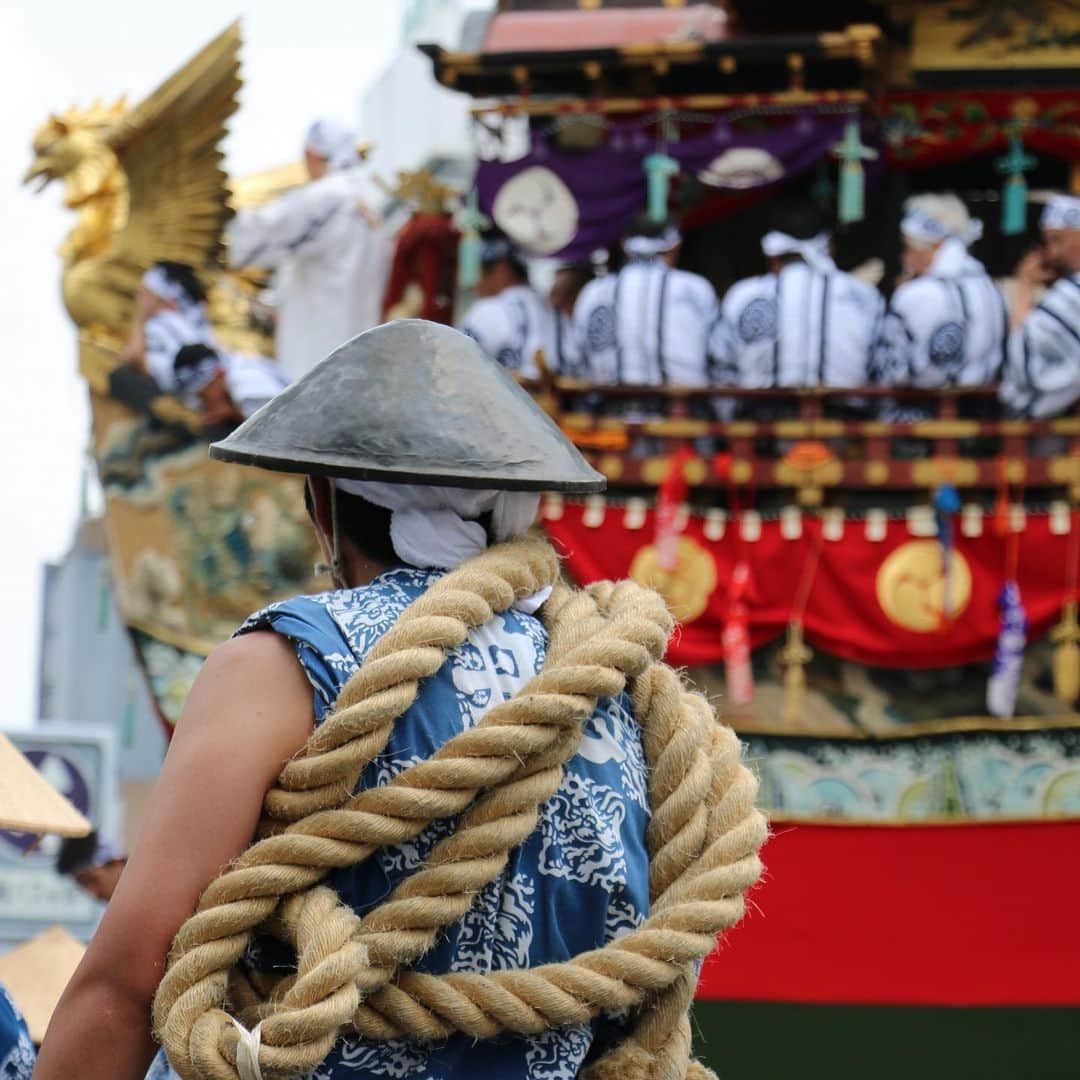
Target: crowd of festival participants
641, 320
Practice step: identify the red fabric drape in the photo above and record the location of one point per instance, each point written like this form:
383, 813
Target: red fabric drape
426, 256
843, 613
927, 128
942, 915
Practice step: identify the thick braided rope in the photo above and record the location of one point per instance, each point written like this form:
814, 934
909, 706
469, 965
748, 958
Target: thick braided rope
324, 774
703, 841
563, 693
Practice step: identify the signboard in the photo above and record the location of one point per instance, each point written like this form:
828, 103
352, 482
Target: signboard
78, 762
988, 35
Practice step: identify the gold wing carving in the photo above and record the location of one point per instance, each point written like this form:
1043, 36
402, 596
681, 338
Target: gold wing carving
177, 204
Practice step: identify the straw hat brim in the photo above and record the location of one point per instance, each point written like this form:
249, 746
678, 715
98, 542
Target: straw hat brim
29, 803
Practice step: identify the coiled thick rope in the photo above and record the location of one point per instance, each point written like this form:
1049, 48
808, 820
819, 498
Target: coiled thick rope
352, 975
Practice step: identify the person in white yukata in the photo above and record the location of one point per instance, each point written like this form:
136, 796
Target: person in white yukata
570, 279
329, 256
225, 387
805, 322
386, 428
510, 320
648, 324
947, 323
1042, 376
170, 312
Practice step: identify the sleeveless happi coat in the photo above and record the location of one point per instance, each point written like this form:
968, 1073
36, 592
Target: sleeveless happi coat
578, 882
16, 1049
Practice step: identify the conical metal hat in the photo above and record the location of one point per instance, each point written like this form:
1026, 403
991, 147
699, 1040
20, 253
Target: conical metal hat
412, 402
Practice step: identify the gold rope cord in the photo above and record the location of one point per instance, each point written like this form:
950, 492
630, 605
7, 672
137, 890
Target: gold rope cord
352, 977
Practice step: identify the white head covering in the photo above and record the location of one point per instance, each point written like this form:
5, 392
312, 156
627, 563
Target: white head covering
161, 285
647, 247
815, 251
1061, 212
933, 219
327, 138
435, 527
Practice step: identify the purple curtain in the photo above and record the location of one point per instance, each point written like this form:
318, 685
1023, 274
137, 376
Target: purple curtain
609, 183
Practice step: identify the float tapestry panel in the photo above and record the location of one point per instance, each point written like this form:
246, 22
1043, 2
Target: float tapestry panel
985, 35
875, 710
195, 545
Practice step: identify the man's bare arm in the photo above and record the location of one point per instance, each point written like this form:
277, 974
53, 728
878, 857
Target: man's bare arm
249, 711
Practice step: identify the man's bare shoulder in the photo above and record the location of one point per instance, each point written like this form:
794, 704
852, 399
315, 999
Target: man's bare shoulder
259, 675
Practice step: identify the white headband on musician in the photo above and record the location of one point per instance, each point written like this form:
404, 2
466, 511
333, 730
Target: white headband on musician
933, 219
646, 247
162, 286
815, 251
329, 139
1061, 212
435, 528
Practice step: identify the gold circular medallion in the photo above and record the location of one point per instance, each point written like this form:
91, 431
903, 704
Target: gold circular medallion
914, 590
688, 587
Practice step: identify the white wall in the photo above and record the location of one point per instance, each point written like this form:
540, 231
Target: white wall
409, 117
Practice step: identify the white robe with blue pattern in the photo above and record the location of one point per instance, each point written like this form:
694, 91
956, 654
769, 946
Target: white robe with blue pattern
1042, 376
948, 327
647, 325
513, 326
799, 327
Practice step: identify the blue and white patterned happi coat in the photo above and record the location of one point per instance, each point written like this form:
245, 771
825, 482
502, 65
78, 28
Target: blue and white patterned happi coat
16, 1048
578, 882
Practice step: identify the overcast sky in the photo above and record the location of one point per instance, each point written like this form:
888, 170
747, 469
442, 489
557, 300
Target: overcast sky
299, 61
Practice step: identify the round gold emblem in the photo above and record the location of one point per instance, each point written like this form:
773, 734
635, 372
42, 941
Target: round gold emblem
688, 587
915, 591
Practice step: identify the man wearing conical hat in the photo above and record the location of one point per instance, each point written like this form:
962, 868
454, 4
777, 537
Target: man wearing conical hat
1042, 375
420, 452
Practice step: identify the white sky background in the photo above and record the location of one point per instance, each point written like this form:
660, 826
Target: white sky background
299, 60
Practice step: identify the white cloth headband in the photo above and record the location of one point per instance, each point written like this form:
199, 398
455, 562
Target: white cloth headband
435, 527
814, 251
919, 226
1061, 212
192, 378
645, 247
161, 285
331, 140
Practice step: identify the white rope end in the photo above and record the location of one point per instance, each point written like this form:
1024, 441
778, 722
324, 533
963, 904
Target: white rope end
247, 1051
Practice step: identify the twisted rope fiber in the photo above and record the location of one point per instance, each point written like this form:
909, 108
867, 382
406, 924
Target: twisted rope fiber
703, 840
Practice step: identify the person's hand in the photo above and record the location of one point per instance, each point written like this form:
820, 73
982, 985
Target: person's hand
146, 304
1032, 270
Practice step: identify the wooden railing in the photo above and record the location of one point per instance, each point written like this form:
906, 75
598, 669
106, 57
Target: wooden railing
813, 442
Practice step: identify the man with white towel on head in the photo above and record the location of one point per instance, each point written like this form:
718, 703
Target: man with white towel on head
948, 323
805, 322
329, 257
648, 324
510, 320
1042, 375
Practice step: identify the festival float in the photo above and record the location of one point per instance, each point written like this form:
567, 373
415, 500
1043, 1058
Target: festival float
195, 546
886, 611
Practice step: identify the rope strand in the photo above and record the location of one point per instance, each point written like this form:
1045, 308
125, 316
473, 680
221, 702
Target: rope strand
352, 973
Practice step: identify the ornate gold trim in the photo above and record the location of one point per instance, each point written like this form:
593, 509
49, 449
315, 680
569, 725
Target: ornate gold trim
934, 471
959, 725
909, 823
945, 429
514, 106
